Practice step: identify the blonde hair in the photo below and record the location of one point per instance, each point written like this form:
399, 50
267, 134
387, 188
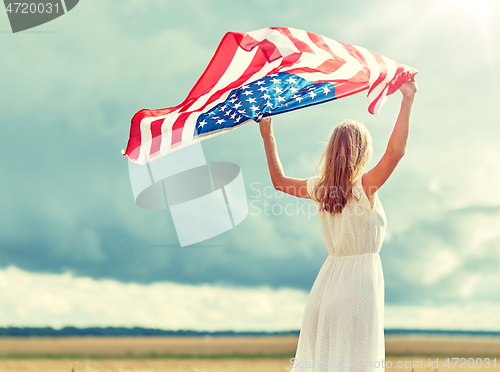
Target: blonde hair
347, 153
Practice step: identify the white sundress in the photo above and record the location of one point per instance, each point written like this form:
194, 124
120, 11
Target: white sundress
343, 324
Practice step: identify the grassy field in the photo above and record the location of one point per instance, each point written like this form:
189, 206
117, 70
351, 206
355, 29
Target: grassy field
224, 354
204, 365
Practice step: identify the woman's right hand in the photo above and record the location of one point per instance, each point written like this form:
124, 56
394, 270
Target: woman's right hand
409, 88
266, 126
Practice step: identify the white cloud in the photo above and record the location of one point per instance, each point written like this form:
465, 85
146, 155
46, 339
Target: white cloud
478, 317
30, 299
37, 300
442, 263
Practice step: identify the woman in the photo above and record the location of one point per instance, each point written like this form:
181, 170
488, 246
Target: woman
343, 324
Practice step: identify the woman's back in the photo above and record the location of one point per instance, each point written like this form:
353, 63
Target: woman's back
359, 229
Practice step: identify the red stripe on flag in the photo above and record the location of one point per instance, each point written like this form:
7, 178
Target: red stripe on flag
178, 127
246, 42
382, 74
214, 71
259, 60
389, 88
156, 135
320, 43
399, 79
327, 67
287, 61
355, 84
272, 53
216, 67
351, 49
299, 44
346, 87
135, 128
133, 148
371, 107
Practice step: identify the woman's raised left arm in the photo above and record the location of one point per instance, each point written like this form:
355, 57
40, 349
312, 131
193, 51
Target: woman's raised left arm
293, 186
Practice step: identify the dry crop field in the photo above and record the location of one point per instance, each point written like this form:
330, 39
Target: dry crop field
224, 354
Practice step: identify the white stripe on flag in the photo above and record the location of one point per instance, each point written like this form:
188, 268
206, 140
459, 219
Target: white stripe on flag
166, 131
280, 41
238, 65
146, 137
372, 63
391, 71
346, 71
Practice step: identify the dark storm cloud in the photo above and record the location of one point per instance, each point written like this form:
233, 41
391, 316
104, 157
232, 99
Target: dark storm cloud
66, 104
412, 259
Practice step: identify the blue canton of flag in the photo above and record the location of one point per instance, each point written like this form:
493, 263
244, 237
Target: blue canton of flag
273, 94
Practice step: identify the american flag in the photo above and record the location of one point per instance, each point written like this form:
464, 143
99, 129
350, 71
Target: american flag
263, 73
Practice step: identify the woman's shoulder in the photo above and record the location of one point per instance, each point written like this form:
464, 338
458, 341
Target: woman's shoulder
363, 194
311, 182
313, 179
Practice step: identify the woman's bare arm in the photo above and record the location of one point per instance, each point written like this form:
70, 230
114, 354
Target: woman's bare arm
293, 186
396, 148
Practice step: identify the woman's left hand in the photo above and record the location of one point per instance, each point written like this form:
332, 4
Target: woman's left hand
409, 88
266, 126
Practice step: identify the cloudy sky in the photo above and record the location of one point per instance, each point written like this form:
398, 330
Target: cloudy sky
75, 249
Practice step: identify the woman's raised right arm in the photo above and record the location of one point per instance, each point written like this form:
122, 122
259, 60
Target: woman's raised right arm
376, 177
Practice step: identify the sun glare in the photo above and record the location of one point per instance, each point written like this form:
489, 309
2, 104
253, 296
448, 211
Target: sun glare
480, 7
